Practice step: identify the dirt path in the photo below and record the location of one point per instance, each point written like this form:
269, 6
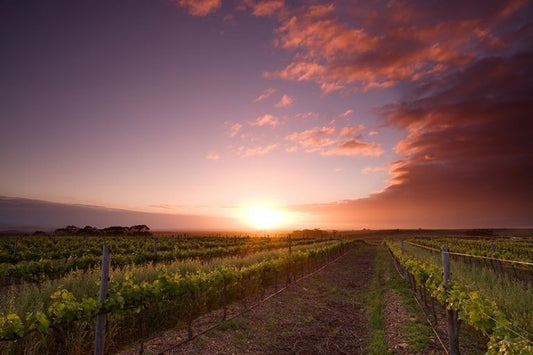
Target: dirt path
395, 318
322, 314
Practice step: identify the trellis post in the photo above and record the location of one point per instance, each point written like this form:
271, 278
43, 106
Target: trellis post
451, 315
99, 338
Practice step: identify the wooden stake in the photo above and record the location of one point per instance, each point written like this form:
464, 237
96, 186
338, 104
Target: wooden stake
99, 338
451, 315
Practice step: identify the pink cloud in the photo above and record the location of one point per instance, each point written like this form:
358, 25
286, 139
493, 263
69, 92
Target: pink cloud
311, 133
312, 137
346, 113
411, 42
352, 130
300, 71
355, 147
266, 120
266, 7
244, 152
265, 94
329, 141
212, 156
200, 7
285, 101
305, 115
234, 129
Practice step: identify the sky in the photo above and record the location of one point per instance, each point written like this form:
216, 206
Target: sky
340, 114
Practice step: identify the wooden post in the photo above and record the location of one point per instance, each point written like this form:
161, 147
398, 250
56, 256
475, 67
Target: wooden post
99, 339
154, 245
446, 264
290, 245
405, 275
451, 315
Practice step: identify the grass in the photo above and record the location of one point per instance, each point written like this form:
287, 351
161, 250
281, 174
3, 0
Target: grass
375, 306
416, 331
230, 325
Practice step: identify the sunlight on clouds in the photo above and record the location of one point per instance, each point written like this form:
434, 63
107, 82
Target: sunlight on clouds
285, 101
234, 129
266, 120
265, 94
200, 7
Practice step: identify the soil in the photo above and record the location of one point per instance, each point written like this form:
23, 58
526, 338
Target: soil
395, 318
320, 314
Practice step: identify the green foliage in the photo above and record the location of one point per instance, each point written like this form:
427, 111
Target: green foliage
11, 327
66, 308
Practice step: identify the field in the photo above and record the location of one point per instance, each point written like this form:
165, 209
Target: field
236, 293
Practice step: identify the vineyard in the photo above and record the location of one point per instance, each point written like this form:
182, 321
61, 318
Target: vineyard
155, 283
53, 300
485, 284
35, 259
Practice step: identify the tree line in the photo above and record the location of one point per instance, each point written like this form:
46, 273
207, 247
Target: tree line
138, 229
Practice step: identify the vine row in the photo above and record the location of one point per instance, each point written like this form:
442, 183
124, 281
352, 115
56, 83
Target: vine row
474, 309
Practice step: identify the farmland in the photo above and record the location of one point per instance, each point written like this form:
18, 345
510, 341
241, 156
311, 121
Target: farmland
235, 292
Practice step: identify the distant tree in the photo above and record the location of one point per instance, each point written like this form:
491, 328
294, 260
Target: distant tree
88, 231
140, 229
68, 230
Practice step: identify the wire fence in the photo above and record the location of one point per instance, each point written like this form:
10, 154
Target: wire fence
518, 262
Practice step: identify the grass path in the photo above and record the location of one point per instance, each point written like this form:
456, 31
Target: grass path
398, 325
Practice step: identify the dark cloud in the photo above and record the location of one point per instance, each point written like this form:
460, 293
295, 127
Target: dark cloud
467, 159
468, 154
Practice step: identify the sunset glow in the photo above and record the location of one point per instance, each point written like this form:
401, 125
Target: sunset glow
348, 114
264, 218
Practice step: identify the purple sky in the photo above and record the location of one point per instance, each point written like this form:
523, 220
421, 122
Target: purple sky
348, 114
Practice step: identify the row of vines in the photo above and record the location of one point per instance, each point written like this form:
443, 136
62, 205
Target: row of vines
67, 324
501, 248
28, 248
77, 253
471, 306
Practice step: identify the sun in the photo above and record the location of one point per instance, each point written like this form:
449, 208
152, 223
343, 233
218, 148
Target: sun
264, 217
